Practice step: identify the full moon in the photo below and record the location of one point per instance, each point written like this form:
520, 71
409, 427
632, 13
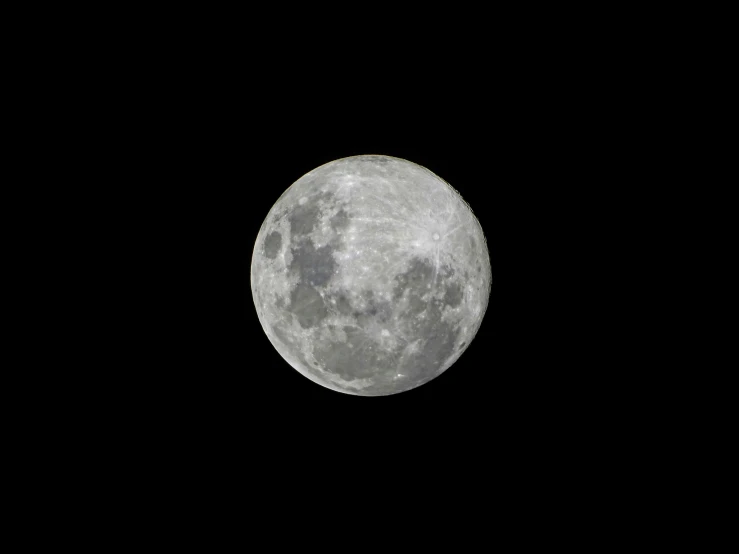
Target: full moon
370, 275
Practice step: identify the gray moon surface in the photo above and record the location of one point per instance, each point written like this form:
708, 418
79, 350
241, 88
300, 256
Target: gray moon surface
370, 275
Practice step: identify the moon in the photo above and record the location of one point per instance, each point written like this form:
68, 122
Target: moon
370, 275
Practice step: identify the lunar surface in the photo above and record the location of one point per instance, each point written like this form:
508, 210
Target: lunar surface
370, 275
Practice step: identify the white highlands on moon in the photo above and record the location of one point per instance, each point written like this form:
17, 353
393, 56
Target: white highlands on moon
370, 275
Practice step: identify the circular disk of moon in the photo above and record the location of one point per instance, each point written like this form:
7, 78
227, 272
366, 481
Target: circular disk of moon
370, 275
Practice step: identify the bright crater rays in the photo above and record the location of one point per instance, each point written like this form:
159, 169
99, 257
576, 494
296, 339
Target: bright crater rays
370, 275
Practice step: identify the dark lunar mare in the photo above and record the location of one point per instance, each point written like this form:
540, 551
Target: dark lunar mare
272, 245
438, 336
315, 266
307, 305
340, 220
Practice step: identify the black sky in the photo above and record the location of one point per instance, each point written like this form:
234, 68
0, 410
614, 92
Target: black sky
210, 148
